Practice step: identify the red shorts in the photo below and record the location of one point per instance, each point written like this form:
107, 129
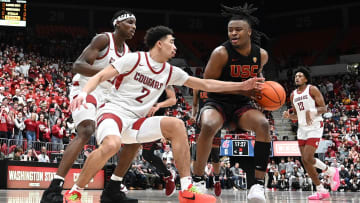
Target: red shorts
311, 141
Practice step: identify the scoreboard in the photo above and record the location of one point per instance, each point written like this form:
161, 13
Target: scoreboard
242, 147
236, 148
13, 13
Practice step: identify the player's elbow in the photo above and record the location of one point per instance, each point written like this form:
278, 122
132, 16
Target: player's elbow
173, 101
76, 67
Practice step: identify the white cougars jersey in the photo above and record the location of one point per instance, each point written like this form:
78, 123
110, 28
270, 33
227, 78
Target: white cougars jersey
140, 83
303, 102
105, 57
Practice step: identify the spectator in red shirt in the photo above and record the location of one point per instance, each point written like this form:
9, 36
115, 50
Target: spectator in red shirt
57, 133
10, 124
42, 129
30, 130
3, 122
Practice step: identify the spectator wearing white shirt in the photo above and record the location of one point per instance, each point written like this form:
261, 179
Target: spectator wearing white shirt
167, 155
43, 157
19, 128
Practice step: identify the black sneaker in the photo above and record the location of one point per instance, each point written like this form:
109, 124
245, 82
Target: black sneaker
112, 193
53, 193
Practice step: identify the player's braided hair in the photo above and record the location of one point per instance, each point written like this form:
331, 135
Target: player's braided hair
244, 13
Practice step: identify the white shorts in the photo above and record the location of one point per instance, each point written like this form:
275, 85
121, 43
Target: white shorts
313, 131
129, 129
93, 101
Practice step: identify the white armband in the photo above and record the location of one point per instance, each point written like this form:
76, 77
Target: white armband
313, 111
83, 95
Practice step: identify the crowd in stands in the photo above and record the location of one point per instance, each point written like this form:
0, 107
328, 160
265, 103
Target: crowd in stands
35, 121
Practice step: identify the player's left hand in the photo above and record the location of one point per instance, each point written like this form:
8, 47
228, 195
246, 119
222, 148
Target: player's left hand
253, 84
308, 118
77, 102
153, 110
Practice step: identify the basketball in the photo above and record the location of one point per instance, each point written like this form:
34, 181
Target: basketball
272, 96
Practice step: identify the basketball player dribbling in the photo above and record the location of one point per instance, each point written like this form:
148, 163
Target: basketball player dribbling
142, 77
308, 105
237, 59
102, 50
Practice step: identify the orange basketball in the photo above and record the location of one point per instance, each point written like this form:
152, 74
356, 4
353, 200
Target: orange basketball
272, 96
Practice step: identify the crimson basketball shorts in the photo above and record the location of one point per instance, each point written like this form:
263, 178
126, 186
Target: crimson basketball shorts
310, 135
111, 121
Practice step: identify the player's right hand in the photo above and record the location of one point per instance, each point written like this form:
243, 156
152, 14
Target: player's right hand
286, 114
253, 84
77, 102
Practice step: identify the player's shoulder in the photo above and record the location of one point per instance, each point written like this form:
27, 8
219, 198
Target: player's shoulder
100, 40
263, 52
220, 51
313, 88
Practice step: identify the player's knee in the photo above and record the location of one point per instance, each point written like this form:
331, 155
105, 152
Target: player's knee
171, 124
85, 129
210, 127
110, 145
306, 159
263, 126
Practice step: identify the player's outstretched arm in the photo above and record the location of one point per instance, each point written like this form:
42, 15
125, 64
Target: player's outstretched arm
210, 85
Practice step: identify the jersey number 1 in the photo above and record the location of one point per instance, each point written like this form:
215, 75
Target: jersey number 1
301, 106
146, 93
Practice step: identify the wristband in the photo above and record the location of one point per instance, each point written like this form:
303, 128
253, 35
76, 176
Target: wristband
314, 111
83, 95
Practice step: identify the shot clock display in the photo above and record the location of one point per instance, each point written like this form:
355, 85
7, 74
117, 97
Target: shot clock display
13, 13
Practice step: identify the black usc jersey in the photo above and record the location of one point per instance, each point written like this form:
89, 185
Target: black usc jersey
238, 68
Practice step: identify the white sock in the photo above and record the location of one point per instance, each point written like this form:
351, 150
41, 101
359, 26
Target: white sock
116, 178
319, 164
59, 177
330, 171
320, 188
185, 182
76, 188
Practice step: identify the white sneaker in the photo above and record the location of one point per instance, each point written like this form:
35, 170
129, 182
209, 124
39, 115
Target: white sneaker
201, 186
257, 194
123, 188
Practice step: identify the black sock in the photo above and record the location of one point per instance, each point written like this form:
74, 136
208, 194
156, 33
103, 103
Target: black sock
198, 178
216, 178
261, 155
260, 181
114, 185
57, 182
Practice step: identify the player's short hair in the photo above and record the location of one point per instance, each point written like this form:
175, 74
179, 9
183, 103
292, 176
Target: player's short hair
155, 34
120, 13
305, 72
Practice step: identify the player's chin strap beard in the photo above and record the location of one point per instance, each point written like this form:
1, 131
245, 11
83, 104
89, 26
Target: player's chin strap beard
123, 17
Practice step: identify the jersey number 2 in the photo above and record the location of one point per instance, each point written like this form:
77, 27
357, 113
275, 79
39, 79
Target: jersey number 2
146, 93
